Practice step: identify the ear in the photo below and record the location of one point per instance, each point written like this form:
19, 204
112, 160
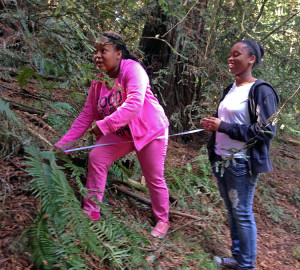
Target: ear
252, 59
119, 54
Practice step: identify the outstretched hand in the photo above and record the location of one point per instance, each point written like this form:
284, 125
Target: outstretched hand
211, 123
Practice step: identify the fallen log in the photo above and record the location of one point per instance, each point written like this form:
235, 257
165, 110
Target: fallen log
135, 184
148, 202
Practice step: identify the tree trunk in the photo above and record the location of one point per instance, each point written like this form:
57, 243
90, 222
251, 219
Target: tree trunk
175, 77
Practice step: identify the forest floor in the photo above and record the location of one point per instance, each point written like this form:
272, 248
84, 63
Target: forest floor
276, 204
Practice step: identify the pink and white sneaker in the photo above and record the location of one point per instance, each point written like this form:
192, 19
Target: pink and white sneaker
161, 229
91, 214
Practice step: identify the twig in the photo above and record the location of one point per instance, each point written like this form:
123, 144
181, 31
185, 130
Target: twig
265, 37
154, 255
188, 224
178, 213
211, 28
23, 107
133, 195
42, 138
260, 13
40, 121
163, 40
181, 19
287, 101
16, 165
242, 25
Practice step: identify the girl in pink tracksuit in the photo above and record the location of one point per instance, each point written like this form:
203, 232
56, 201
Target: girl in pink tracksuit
124, 111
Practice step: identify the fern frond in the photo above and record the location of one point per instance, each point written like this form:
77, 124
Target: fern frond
4, 108
71, 233
42, 245
25, 74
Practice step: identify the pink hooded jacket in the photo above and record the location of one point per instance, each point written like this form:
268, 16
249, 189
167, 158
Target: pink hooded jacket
140, 109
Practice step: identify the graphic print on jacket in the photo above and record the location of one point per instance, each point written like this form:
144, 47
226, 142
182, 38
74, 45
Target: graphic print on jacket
107, 104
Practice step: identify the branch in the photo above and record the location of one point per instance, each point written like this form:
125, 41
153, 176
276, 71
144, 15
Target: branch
181, 19
163, 40
148, 202
38, 135
40, 121
260, 13
23, 107
242, 25
280, 26
136, 185
211, 28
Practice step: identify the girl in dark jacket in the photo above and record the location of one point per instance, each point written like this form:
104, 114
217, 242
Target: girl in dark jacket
242, 131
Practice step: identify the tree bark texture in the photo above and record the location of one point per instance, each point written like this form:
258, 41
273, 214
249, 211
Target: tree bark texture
175, 78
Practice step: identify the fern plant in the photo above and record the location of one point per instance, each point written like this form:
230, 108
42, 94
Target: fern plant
13, 135
61, 237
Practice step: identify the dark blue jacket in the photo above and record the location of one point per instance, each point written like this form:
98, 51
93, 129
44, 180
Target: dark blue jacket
262, 104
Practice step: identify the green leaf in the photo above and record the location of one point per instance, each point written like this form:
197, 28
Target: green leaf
24, 75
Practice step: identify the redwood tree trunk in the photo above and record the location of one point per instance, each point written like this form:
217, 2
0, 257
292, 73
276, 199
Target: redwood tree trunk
176, 87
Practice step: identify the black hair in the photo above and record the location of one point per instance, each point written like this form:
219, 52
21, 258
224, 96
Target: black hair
254, 49
117, 39
120, 44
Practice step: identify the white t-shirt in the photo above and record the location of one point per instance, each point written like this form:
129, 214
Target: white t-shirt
233, 109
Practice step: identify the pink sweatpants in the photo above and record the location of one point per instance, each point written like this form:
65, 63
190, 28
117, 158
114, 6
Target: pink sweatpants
151, 158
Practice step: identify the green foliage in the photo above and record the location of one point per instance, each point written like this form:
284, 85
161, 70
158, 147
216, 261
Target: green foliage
57, 39
60, 118
288, 125
295, 198
296, 252
268, 197
12, 133
195, 190
191, 88
202, 258
25, 74
61, 237
4, 108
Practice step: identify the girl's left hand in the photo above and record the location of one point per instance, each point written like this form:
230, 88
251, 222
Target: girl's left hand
211, 123
96, 130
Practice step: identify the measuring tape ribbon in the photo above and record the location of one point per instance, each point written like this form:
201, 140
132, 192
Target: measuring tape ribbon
159, 137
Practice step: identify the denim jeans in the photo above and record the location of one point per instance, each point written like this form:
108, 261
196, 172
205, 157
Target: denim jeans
237, 186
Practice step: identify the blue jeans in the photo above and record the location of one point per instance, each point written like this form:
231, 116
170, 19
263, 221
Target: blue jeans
237, 187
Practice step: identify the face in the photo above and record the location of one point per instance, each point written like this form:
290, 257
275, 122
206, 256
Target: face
239, 60
106, 57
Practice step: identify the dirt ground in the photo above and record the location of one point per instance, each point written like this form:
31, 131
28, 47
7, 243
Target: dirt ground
277, 241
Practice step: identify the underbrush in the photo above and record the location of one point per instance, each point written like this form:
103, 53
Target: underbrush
273, 190
61, 237
268, 197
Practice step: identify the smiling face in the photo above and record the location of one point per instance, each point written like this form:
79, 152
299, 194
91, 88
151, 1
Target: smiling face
107, 58
239, 61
